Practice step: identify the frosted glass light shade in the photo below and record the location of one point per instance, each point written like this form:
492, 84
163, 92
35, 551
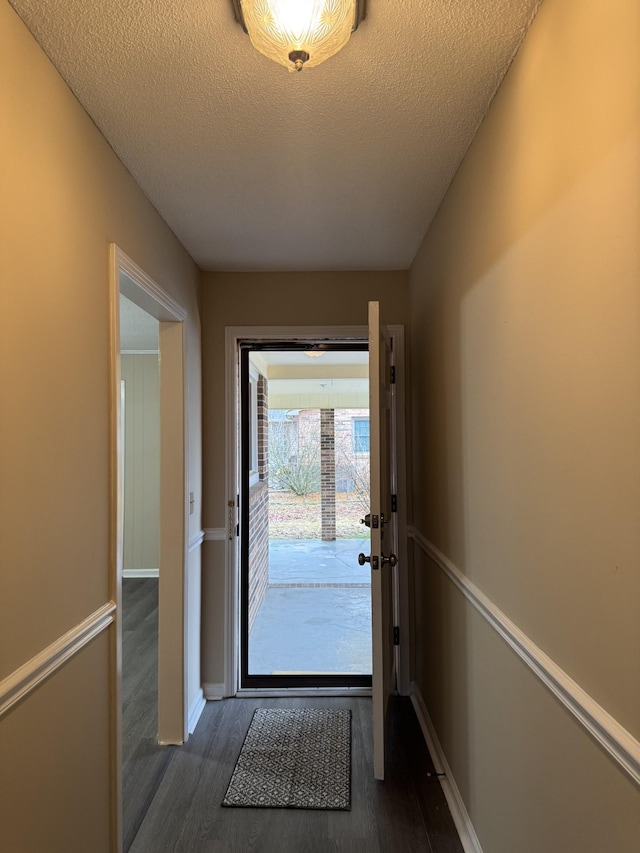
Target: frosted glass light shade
297, 33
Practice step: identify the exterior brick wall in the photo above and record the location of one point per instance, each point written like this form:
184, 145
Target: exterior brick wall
349, 464
352, 469
263, 428
258, 547
259, 511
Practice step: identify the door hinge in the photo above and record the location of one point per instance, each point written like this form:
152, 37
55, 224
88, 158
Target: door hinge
396, 635
394, 503
393, 374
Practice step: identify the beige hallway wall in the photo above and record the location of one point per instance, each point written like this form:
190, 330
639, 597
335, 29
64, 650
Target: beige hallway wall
265, 299
65, 197
141, 375
525, 306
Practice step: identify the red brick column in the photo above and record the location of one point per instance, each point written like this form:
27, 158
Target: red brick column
328, 474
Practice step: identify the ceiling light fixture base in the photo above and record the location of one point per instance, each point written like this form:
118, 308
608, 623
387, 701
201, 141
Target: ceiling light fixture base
299, 34
298, 57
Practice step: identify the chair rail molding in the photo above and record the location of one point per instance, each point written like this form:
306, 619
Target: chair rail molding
603, 727
27, 677
215, 534
196, 540
140, 573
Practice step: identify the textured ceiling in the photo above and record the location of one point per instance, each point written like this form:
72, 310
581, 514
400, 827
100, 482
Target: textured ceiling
339, 167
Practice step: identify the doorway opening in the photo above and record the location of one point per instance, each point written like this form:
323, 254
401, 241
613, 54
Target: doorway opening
166, 547
143, 760
304, 493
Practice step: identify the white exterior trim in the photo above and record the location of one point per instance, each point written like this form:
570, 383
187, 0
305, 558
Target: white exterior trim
27, 677
459, 813
607, 731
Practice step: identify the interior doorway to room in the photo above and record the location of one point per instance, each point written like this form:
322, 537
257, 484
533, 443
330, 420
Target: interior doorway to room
142, 758
305, 599
155, 655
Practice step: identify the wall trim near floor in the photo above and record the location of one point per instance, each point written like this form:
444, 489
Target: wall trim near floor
607, 731
213, 692
195, 711
141, 573
196, 540
215, 534
459, 813
27, 677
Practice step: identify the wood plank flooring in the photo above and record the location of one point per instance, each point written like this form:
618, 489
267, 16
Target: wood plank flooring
144, 762
172, 795
405, 813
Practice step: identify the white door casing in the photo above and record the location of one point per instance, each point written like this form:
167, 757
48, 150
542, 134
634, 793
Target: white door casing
132, 281
233, 336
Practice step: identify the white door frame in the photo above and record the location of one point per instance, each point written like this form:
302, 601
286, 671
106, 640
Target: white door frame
127, 277
233, 336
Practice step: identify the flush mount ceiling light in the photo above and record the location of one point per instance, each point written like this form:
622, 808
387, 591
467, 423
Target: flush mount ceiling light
314, 354
299, 33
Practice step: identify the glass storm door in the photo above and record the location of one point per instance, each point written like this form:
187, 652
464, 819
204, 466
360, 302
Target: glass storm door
305, 597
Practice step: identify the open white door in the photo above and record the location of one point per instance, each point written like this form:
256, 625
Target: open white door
383, 528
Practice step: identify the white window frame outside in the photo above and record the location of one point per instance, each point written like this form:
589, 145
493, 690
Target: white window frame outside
355, 436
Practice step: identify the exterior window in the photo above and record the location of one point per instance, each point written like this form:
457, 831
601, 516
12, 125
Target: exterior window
360, 435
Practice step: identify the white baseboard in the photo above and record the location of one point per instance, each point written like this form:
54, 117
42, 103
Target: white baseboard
195, 711
459, 813
213, 692
141, 573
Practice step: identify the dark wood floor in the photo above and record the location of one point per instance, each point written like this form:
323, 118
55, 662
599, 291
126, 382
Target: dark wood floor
143, 761
172, 795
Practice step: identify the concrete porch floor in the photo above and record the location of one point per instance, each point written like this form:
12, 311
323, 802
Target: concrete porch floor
316, 614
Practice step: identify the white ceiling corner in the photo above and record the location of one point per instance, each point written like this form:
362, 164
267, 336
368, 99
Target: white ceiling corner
340, 167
